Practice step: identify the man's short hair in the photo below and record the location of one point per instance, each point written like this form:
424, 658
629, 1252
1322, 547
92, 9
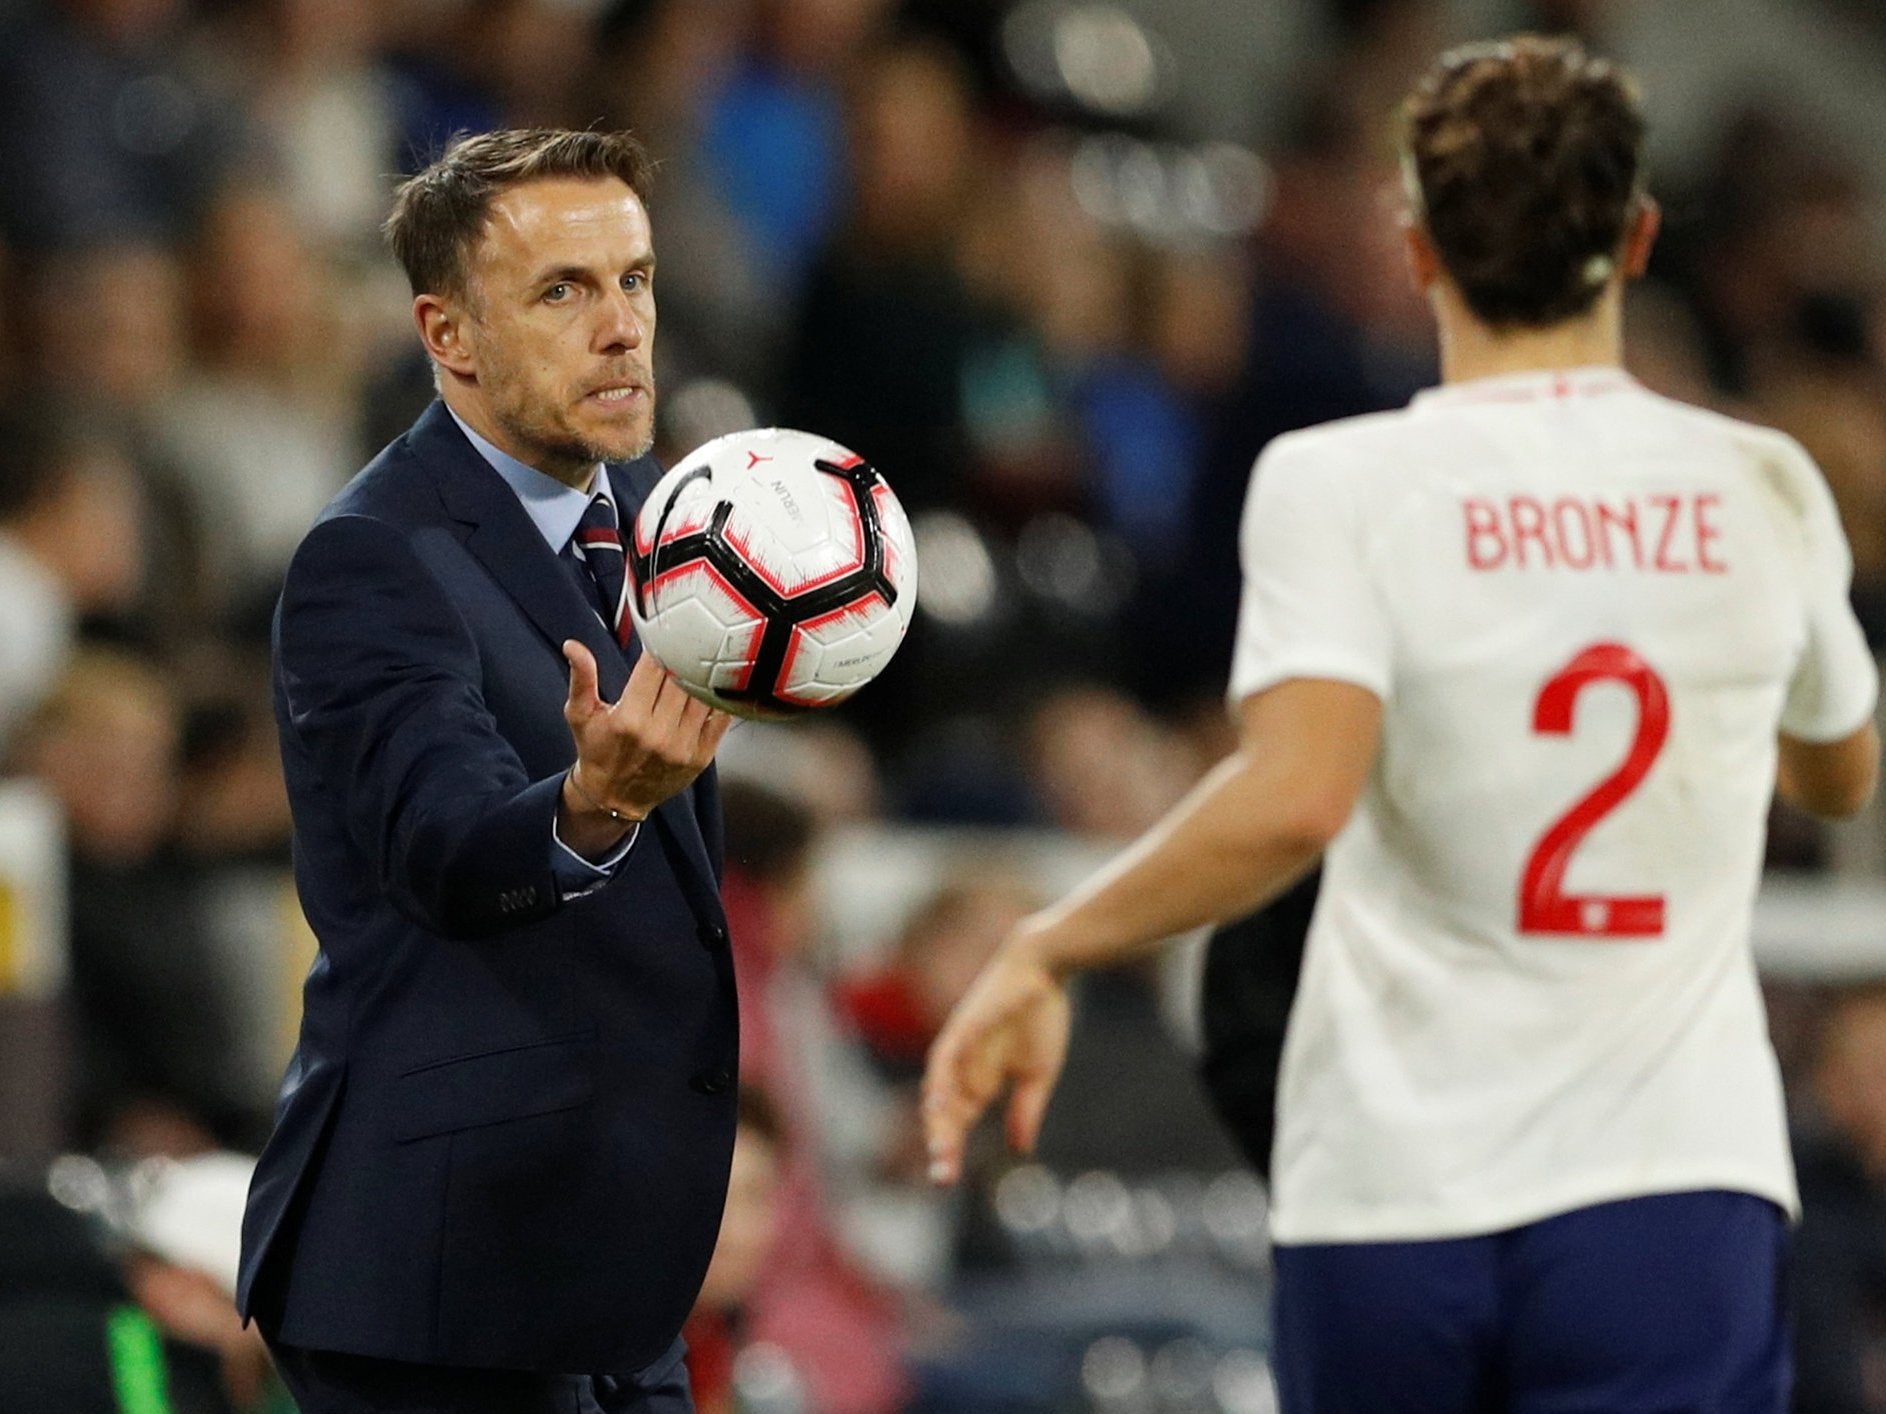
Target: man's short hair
439, 213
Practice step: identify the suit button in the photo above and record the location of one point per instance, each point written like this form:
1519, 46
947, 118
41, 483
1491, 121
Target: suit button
713, 1082
714, 936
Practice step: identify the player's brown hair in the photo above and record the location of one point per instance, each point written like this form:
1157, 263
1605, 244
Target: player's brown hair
439, 213
1523, 159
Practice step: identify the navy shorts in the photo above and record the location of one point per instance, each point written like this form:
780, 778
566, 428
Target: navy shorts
1671, 1303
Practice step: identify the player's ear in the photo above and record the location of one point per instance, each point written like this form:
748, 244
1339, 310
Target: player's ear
444, 326
1424, 262
1641, 235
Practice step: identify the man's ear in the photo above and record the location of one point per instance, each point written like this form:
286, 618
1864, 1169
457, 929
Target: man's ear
1424, 262
1641, 236
445, 329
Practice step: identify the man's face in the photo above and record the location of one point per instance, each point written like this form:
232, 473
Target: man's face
561, 329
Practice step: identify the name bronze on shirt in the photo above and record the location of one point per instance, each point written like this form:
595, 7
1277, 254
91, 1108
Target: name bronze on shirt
1675, 533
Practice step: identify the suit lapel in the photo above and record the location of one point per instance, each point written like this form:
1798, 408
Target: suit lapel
498, 531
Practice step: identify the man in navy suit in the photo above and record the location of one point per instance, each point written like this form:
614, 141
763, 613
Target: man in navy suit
502, 1145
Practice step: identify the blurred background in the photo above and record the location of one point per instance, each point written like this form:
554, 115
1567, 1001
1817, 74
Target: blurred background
1060, 269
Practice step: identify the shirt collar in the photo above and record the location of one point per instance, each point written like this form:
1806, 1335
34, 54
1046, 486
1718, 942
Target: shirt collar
553, 507
1541, 386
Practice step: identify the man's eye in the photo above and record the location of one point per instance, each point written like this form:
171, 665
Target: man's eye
556, 292
634, 280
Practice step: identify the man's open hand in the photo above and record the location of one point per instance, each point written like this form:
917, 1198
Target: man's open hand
635, 752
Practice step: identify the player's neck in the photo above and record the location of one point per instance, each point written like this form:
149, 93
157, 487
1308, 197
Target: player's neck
1472, 349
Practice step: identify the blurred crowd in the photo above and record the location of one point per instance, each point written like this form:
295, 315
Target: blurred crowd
970, 239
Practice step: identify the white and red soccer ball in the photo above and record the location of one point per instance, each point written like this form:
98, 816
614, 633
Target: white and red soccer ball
773, 572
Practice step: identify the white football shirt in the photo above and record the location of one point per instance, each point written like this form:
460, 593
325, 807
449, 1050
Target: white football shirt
1588, 610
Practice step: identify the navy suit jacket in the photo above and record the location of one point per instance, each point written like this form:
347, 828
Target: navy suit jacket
504, 1136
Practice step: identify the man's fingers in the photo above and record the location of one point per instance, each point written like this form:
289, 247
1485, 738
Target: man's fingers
714, 725
668, 716
584, 699
643, 686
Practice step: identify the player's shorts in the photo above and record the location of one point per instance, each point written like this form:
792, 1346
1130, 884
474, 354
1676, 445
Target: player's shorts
1668, 1303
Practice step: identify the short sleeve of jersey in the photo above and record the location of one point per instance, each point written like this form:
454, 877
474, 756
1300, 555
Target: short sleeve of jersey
1836, 681
1308, 609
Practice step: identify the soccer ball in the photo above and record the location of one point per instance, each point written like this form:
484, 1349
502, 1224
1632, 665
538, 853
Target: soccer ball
773, 572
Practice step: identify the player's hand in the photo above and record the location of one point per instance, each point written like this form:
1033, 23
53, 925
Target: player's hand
649, 744
1008, 1032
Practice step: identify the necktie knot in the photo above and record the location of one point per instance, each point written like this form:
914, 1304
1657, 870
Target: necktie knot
598, 544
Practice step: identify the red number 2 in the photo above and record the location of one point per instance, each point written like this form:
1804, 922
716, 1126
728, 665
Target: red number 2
1544, 906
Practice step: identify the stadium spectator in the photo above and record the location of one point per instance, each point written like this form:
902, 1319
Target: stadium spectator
1103, 767
823, 765
773, 131
271, 382
70, 546
1839, 1277
895, 1007
103, 329
152, 1017
1319, 274
892, 1009
749, 1232
840, 1327
660, 66
103, 325
326, 109
73, 1340
181, 1235
889, 279
105, 137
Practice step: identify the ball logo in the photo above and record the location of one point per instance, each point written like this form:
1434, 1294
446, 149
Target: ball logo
786, 501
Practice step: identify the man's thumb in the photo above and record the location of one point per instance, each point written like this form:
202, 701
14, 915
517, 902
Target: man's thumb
583, 696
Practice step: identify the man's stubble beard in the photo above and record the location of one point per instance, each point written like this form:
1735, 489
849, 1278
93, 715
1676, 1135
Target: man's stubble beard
564, 446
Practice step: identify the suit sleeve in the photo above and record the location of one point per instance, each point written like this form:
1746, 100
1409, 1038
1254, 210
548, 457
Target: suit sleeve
381, 677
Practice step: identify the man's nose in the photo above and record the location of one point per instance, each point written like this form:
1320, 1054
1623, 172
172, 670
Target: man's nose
622, 324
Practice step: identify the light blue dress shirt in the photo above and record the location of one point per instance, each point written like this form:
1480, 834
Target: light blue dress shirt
555, 509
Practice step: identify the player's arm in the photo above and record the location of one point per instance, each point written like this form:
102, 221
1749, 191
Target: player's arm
383, 691
381, 684
1833, 778
1250, 828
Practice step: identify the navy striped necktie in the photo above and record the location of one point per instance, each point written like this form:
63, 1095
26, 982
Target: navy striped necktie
598, 545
